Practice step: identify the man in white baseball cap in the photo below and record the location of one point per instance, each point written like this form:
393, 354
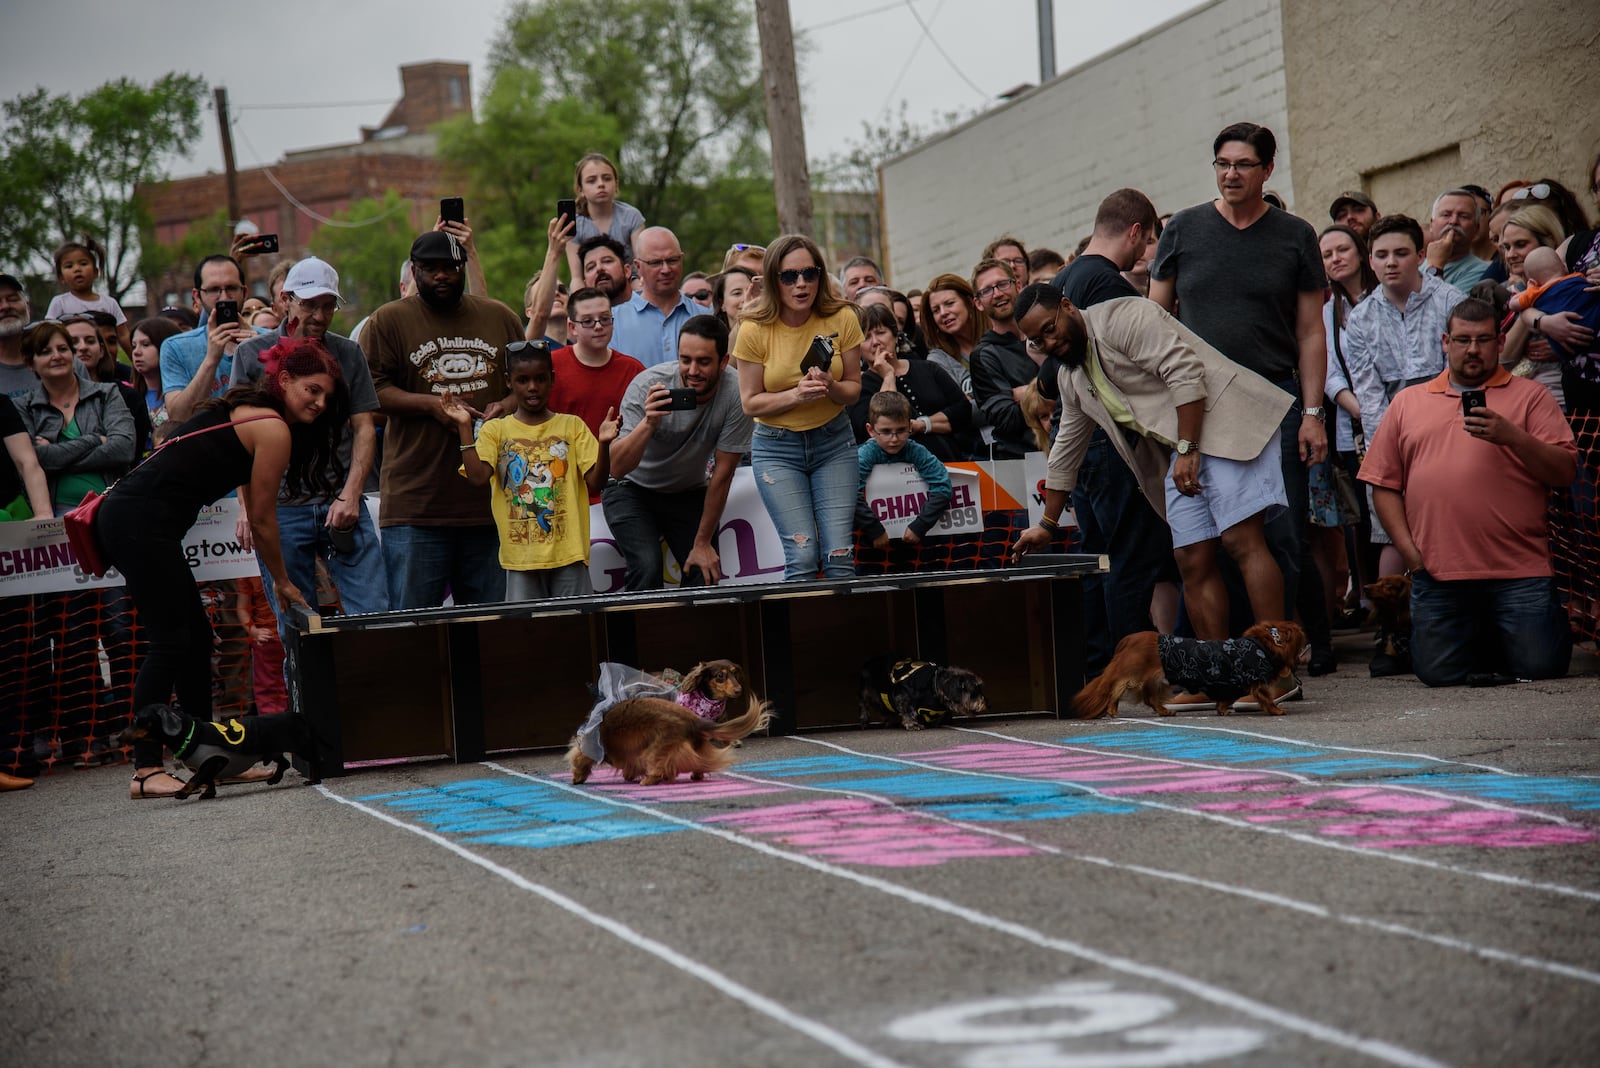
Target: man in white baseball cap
336, 528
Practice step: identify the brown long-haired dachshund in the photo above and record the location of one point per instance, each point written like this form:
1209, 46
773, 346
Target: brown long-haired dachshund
1150, 664
654, 740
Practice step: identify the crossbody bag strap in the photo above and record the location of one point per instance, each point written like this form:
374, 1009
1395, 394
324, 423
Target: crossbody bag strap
191, 434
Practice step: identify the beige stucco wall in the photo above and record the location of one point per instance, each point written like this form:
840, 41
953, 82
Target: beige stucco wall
1405, 100
1038, 166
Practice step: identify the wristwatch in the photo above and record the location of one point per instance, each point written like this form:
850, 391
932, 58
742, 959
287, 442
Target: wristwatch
1315, 410
1185, 446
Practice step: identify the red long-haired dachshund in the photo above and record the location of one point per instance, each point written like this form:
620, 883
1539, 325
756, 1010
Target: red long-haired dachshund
654, 740
1150, 664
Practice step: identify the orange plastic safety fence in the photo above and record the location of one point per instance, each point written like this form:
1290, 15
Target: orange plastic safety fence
1575, 533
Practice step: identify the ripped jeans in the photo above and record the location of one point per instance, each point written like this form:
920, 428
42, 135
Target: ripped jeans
809, 481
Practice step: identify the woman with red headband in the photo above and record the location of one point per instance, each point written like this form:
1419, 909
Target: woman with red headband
281, 428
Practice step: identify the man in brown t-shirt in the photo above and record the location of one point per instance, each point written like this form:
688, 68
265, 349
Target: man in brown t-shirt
437, 529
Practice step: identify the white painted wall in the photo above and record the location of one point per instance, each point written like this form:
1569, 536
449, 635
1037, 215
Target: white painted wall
1038, 166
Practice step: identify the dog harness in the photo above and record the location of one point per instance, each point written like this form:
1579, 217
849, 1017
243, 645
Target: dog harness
228, 734
705, 707
906, 674
1223, 671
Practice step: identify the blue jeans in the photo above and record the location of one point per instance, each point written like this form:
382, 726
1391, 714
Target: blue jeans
1116, 519
809, 480
1518, 620
423, 561
357, 575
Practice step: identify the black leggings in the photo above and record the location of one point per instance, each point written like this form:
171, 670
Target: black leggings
177, 630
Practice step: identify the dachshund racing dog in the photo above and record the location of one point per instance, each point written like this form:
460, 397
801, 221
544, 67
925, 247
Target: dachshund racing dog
216, 751
1150, 664
653, 740
917, 693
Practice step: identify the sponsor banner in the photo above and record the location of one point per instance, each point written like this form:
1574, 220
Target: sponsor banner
895, 493
35, 556
1035, 465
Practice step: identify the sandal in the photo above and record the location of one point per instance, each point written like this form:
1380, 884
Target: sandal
145, 793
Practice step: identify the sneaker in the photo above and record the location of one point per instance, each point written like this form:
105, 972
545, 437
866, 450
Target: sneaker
1285, 689
1323, 662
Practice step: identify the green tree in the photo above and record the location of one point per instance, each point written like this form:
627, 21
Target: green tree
71, 167
670, 89
856, 169
367, 243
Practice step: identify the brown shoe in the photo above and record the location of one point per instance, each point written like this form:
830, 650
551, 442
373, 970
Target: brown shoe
13, 782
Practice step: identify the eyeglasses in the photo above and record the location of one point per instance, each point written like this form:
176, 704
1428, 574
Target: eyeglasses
809, 274
703, 296
1482, 341
1046, 333
999, 287
222, 291
1539, 191
1223, 166
594, 324
656, 265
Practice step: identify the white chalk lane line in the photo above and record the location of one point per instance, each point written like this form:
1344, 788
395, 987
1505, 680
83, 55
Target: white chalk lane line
1217, 817
1308, 908
840, 1043
1377, 1049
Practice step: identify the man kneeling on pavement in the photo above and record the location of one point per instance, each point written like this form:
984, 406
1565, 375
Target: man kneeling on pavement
1461, 469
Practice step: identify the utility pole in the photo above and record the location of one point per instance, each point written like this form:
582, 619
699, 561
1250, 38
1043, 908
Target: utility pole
225, 127
791, 174
1047, 40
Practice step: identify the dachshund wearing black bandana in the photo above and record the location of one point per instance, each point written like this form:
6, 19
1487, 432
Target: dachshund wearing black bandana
1150, 664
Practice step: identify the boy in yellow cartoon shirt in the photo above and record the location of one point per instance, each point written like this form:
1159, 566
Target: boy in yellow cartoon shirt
544, 466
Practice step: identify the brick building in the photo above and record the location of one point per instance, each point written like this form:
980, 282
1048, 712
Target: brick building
287, 198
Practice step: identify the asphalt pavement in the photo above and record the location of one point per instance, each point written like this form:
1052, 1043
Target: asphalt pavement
1385, 875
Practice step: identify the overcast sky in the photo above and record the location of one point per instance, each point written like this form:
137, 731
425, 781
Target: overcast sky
861, 58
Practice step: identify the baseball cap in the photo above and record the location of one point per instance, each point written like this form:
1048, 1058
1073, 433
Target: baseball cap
312, 277
11, 280
1352, 197
438, 245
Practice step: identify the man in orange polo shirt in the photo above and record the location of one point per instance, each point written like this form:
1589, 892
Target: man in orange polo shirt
1464, 497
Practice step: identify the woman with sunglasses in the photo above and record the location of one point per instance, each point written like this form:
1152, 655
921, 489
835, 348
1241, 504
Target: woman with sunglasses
799, 360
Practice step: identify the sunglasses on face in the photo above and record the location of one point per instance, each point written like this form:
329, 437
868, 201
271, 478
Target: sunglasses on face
809, 274
702, 295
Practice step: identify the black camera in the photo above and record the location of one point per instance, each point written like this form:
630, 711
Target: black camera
819, 355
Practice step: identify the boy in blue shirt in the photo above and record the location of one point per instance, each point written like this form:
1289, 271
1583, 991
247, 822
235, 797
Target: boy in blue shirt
889, 426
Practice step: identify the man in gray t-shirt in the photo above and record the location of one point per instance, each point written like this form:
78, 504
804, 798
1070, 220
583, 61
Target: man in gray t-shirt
1248, 279
660, 488
334, 526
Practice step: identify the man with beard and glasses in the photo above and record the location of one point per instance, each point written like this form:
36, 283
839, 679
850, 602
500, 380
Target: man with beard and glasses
438, 532
604, 263
1002, 367
1159, 392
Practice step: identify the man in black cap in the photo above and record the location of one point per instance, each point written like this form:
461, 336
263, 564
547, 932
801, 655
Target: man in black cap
437, 528
1356, 210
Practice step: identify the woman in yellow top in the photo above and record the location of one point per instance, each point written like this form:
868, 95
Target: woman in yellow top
799, 360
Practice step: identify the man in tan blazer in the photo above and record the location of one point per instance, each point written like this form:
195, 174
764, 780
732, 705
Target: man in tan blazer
1199, 432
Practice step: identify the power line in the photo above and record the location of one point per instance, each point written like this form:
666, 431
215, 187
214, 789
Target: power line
341, 224
318, 104
841, 20
933, 41
916, 46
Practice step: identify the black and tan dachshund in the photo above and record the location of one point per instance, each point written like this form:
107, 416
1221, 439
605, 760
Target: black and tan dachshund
217, 751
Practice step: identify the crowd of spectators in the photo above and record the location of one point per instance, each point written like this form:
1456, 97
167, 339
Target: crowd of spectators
1213, 387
